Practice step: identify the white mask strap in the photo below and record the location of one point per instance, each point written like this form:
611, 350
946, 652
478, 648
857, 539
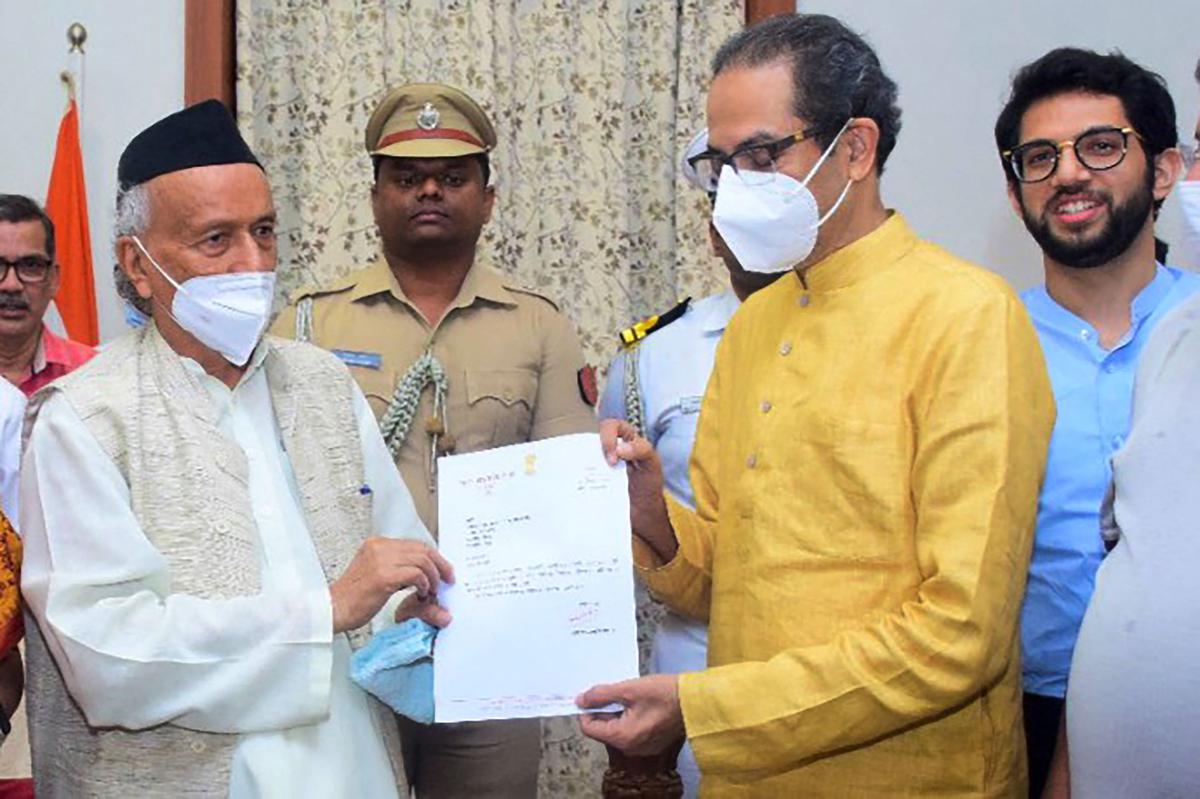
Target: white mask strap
828, 150
161, 271
837, 204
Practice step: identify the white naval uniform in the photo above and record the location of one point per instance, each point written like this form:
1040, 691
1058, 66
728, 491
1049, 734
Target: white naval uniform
673, 365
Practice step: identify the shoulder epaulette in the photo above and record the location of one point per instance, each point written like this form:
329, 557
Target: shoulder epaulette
635, 333
319, 291
532, 293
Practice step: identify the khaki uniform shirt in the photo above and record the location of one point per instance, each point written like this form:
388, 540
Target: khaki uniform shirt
512, 363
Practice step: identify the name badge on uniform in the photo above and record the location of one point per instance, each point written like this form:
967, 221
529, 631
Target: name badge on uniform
690, 404
367, 360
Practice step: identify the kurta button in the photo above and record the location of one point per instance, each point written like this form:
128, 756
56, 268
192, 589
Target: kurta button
803, 301
766, 406
785, 348
751, 462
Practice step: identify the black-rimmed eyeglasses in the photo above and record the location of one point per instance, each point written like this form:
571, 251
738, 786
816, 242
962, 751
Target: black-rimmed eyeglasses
750, 162
29, 268
1097, 149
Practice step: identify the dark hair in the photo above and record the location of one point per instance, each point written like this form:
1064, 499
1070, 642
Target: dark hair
1160, 250
835, 73
19, 208
485, 165
1143, 95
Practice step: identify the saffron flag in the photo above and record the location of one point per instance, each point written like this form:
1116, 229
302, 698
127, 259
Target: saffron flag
66, 203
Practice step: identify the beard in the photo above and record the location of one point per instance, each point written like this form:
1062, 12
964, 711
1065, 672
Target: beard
1125, 223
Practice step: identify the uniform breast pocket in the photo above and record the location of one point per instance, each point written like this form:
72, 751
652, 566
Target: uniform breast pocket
378, 385
500, 403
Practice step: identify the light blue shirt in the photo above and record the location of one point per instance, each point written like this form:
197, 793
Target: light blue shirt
673, 368
1093, 389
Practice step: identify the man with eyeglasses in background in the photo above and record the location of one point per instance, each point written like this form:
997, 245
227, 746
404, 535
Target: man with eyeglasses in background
30, 355
1089, 146
866, 466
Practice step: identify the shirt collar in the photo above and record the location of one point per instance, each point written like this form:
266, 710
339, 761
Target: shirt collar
252, 366
51, 349
1149, 298
40, 359
481, 282
863, 257
718, 312
1048, 311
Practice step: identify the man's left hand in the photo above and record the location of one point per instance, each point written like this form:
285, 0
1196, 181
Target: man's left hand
650, 724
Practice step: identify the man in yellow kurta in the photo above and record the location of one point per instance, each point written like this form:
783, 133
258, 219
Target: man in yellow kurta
866, 467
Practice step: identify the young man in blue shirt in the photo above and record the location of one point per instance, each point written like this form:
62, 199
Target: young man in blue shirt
1089, 146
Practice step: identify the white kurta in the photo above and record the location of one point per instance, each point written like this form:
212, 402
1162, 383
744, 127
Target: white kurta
1133, 727
267, 666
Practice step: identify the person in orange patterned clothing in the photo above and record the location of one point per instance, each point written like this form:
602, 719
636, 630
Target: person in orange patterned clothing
11, 626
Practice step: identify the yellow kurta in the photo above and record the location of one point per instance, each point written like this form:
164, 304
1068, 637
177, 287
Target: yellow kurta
866, 473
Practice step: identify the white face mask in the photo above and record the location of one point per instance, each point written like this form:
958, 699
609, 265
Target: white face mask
771, 225
1189, 198
227, 313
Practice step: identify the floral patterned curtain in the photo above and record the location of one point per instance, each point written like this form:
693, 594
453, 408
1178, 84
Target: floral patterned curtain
592, 101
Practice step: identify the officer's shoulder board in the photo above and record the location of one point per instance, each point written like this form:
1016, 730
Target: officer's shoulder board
314, 292
531, 293
633, 334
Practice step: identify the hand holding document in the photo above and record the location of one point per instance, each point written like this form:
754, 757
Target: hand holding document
543, 602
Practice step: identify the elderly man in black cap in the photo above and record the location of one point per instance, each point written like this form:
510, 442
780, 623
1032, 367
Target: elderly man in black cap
212, 520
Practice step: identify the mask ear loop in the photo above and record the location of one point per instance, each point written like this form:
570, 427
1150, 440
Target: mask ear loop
837, 204
150, 257
162, 272
828, 150
171, 280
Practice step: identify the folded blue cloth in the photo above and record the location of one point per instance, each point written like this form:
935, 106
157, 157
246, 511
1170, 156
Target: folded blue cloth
396, 666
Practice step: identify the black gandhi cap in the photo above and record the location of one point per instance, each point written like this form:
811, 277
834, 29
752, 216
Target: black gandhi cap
203, 134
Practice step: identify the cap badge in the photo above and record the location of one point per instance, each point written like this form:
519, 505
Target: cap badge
428, 118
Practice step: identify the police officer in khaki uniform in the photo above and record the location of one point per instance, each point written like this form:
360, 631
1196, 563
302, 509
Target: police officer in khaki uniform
452, 358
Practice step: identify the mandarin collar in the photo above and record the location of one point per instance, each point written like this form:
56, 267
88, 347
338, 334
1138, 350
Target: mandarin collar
862, 258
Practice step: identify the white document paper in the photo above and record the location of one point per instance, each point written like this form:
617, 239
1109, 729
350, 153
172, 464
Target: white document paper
543, 601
